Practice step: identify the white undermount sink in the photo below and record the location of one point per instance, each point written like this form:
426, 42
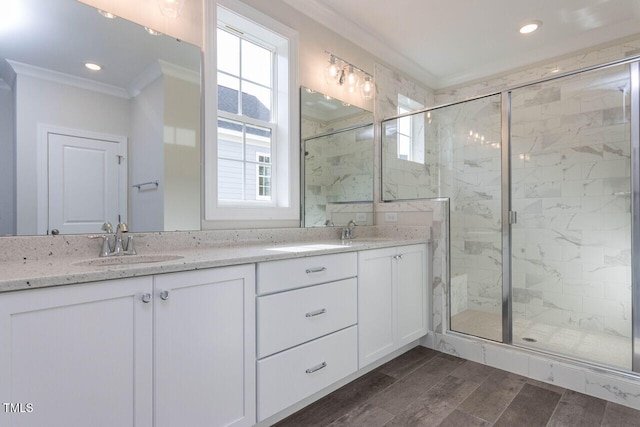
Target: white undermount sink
126, 260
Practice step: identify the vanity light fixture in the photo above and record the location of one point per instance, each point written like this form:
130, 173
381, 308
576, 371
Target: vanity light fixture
171, 8
344, 73
92, 66
530, 27
106, 14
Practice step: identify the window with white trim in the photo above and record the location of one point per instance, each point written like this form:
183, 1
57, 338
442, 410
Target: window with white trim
409, 147
245, 120
253, 164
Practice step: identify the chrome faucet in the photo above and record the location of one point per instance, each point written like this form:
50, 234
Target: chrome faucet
118, 247
349, 231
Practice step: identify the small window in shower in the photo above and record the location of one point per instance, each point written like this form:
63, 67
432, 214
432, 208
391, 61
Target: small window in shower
410, 132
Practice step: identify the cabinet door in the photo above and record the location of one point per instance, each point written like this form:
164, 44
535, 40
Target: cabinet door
376, 302
205, 347
79, 354
411, 274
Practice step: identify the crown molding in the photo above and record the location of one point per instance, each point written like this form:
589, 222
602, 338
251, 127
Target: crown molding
179, 72
158, 69
66, 79
142, 80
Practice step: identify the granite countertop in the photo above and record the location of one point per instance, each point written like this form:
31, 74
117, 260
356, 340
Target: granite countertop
30, 274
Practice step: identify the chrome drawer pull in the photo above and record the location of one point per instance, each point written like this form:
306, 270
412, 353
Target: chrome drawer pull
316, 368
316, 313
397, 257
316, 270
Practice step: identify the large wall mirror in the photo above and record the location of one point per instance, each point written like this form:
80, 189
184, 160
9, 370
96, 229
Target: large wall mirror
82, 147
337, 172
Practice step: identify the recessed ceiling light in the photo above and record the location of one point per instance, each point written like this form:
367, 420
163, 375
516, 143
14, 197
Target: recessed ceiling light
530, 27
92, 66
106, 14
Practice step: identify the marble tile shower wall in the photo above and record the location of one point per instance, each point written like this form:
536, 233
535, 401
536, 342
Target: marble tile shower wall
388, 85
593, 57
338, 169
469, 164
570, 185
408, 179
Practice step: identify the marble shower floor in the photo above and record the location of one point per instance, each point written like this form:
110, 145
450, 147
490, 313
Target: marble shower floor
424, 387
592, 346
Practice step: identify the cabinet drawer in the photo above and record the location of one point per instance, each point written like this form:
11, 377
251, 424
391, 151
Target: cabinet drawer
287, 274
290, 376
291, 318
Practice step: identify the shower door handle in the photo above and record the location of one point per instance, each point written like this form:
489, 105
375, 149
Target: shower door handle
513, 217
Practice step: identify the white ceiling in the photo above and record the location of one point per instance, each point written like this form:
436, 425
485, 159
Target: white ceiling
449, 42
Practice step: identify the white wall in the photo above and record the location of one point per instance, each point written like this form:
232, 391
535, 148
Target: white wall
45, 102
7, 162
146, 158
181, 155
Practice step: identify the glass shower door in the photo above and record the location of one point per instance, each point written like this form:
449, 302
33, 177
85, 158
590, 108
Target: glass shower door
571, 240
468, 137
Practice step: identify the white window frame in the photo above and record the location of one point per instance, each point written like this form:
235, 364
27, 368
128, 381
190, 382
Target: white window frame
406, 105
284, 209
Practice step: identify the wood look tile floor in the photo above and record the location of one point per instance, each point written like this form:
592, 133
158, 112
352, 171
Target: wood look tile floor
424, 387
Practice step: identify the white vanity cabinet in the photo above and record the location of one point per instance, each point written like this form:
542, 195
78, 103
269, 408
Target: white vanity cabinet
80, 355
164, 350
392, 299
306, 327
204, 347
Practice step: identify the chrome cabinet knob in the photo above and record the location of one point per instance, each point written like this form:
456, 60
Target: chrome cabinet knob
146, 298
164, 295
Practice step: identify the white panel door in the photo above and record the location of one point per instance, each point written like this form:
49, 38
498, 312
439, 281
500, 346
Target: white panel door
205, 348
84, 183
79, 354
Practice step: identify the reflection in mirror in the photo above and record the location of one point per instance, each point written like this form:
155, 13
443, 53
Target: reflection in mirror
81, 147
337, 168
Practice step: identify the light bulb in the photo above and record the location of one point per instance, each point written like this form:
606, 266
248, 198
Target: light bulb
171, 8
352, 77
366, 88
332, 71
